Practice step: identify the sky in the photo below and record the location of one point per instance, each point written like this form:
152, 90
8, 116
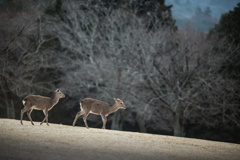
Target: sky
184, 10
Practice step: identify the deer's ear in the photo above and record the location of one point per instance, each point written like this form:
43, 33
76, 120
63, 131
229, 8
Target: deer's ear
116, 99
57, 90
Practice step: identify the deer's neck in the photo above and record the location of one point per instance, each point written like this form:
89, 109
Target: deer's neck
54, 101
113, 108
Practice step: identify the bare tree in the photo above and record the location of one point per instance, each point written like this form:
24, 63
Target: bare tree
180, 75
22, 38
91, 40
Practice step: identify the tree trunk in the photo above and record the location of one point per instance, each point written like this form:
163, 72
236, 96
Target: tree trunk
10, 107
8, 99
141, 124
178, 129
116, 121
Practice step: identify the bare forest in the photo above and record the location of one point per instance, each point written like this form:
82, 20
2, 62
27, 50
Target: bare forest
173, 81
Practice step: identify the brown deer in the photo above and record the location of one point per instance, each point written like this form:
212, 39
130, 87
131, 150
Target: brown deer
89, 105
40, 103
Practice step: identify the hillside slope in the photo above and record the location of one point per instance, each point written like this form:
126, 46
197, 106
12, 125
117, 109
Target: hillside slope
66, 142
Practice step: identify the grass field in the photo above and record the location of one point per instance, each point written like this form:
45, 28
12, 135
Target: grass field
66, 142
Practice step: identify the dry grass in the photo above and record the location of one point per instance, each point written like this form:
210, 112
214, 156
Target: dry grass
67, 142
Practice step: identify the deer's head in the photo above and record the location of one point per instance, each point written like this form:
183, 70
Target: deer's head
59, 94
119, 103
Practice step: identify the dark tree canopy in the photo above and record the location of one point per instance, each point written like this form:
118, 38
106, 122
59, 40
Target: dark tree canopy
228, 28
229, 25
155, 12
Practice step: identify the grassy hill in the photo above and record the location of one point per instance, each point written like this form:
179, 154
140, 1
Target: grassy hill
66, 142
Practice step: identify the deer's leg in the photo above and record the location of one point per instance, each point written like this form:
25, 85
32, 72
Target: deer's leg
43, 120
78, 115
22, 112
104, 119
29, 115
46, 117
85, 119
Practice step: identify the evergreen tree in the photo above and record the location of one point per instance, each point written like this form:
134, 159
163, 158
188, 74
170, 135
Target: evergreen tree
228, 27
198, 11
202, 19
207, 12
153, 11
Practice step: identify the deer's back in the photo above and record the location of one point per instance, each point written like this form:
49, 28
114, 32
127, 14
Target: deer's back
37, 101
96, 106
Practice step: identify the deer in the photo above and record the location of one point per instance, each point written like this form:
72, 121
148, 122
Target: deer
38, 102
94, 106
